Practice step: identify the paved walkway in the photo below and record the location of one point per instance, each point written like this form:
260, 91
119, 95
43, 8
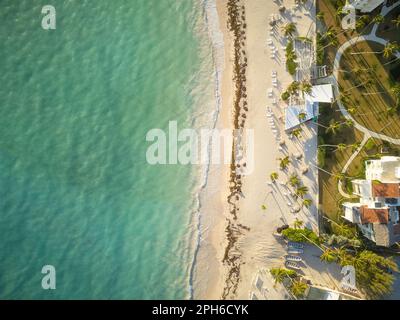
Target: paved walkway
346, 166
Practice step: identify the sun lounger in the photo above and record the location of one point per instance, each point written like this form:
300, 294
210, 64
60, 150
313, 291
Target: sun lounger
295, 251
259, 283
292, 265
296, 245
289, 257
253, 296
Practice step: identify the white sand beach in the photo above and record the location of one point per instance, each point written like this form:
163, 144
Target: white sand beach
258, 248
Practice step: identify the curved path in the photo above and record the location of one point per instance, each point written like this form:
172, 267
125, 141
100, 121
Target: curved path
346, 166
336, 67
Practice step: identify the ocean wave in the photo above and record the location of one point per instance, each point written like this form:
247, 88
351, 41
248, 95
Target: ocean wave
215, 35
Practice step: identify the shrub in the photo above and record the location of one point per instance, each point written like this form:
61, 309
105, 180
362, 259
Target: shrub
370, 144
291, 66
285, 96
301, 235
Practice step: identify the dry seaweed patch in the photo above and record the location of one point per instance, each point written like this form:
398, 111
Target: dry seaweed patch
237, 25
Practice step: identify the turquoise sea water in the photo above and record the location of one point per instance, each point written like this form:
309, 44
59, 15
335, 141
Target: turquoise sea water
75, 105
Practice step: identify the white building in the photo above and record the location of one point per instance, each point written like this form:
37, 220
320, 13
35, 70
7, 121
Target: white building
377, 212
310, 106
366, 5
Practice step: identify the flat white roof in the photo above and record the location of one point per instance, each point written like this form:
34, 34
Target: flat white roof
320, 93
292, 114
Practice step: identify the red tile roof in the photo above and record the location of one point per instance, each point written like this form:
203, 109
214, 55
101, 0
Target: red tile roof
373, 215
386, 190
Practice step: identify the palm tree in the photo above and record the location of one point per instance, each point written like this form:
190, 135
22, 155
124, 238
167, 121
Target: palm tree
302, 116
301, 191
395, 90
389, 49
289, 29
339, 176
372, 270
274, 176
294, 180
355, 146
331, 42
328, 145
352, 110
328, 255
342, 96
296, 132
378, 19
365, 83
338, 147
284, 162
293, 87
341, 147
320, 15
357, 70
360, 24
334, 126
396, 21
331, 34
291, 55
307, 203
340, 10
306, 87
298, 288
279, 274
297, 224
349, 123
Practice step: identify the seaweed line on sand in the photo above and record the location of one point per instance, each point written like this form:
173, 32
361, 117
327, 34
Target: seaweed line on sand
232, 256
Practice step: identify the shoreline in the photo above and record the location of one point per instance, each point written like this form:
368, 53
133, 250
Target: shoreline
208, 272
218, 199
